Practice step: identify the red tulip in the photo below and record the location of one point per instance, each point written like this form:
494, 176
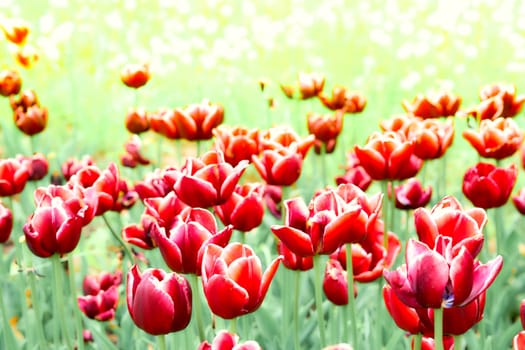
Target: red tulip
448, 218
505, 95
442, 104
73, 165
335, 283
133, 155
279, 167
196, 121
156, 184
343, 100
37, 164
137, 121
10, 82
244, 210
412, 195
100, 297
227, 341
6, 223
498, 139
141, 234
164, 122
273, 197
233, 281
182, 244
158, 302
444, 276
280, 137
208, 180
164, 209
310, 84
431, 137
325, 128
293, 261
237, 143
355, 173
427, 343
135, 75
31, 121
488, 186
518, 342
13, 177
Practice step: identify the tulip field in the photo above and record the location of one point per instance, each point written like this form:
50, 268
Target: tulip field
262, 175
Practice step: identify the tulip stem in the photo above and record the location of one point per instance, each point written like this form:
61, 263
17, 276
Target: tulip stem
194, 282
351, 299
438, 329
297, 342
127, 251
161, 341
233, 325
385, 212
500, 230
418, 338
59, 305
76, 312
319, 297
36, 307
7, 333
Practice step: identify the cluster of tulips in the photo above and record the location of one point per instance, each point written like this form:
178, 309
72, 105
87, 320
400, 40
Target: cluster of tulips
193, 237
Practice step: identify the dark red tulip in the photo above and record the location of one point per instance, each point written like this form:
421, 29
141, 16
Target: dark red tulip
141, 234
325, 128
412, 195
37, 164
244, 210
280, 167
182, 244
73, 165
163, 122
427, 343
293, 261
196, 121
488, 186
519, 201
13, 176
10, 82
135, 75
237, 143
100, 299
227, 341
273, 197
25, 100
6, 223
158, 302
137, 121
498, 139
207, 181
233, 281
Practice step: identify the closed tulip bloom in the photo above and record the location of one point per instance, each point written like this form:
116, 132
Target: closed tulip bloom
488, 186
137, 121
293, 261
279, 167
228, 341
388, 156
207, 181
100, 299
158, 302
182, 244
445, 276
412, 195
335, 285
163, 122
237, 143
498, 139
135, 75
196, 121
10, 82
310, 84
31, 121
325, 128
15, 30
280, 137
6, 223
244, 210
431, 137
13, 176
448, 218
233, 281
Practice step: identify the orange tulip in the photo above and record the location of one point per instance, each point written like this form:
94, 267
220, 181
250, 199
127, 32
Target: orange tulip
10, 82
15, 30
135, 75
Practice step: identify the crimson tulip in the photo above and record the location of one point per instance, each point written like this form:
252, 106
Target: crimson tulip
412, 195
137, 121
444, 276
10, 82
228, 341
100, 297
280, 167
505, 95
244, 210
164, 209
158, 302
236, 143
518, 342
6, 223
488, 186
519, 201
182, 244
273, 197
428, 343
441, 104
141, 234
196, 121
293, 261
13, 176
208, 180
335, 283
280, 137
233, 281
135, 75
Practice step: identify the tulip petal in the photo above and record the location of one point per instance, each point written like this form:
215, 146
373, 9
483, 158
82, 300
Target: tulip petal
225, 298
405, 317
267, 278
295, 240
195, 192
426, 227
484, 275
461, 276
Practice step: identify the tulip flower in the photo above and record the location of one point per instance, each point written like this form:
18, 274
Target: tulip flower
158, 302
325, 128
155, 184
488, 186
412, 195
10, 82
428, 343
293, 261
6, 223
388, 156
141, 234
31, 121
448, 218
335, 283
518, 342
137, 121
26, 55
279, 167
73, 165
208, 180
280, 137
399, 123
196, 121
445, 276
505, 95
164, 122
15, 30
519, 201
227, 341
133, 155
182, 244
236, 143
135, 75
310, 84
343, 100
13, 176
100, 297
498, 139
273, 197
431, 137
355, 174
233, 281
164, 209
244, 210
442, 104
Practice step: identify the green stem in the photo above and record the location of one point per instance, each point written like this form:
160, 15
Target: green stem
59, 303
351, 299
285, 302
319, 297
199, 146
297, 342
118, 237
194, 282
9, 339
500, 230
233, 325
36, 306
76, 312
418, 338
159, 151
322, 155
161, 341
438, 329
385, 212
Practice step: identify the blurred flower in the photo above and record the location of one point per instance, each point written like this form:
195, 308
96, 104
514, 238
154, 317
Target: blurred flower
137, 120
233, 281
236, 143
244, 210
15, 30
310, 84
412, 195
141, 234
26, 56
325, 128
13, 176
73, 165
273, 196
127, 197
10, 82
288, 90
518, 342
208, 180
154, 185
293, 261
182, 244
163, 122
344, 100
488, 186
135, 75
31, 121
340, 346
355, 174
399, 123
100, 299
26, 99
228, 341
196, 121
519, 201
504, 96
133, 157
441, 277
6, 223
158, 302
431, 137
499, 138
441, 104
37, 164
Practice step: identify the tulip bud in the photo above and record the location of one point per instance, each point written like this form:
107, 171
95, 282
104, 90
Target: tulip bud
135, 75
10, 82
137, 121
